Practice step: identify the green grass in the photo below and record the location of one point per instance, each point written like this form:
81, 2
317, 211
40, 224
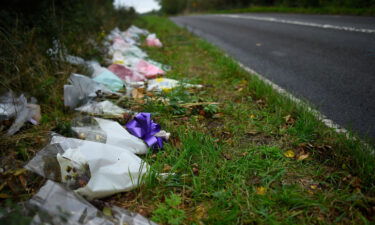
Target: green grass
282, 9
228, 163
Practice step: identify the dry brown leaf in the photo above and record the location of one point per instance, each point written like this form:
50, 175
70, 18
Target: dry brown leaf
287, 118
167, 168
227, 156
138, 93
303, 156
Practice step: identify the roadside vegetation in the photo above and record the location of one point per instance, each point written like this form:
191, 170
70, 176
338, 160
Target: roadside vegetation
349, 7
254, 157
34, 35
239, 153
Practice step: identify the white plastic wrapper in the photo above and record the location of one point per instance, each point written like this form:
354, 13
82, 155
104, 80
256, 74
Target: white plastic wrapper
82, 89
109, 132
104, 108
54, 204
92, 169
166, 84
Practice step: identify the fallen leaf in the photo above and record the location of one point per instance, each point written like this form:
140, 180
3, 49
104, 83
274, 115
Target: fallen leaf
218, 115
303, 156
167, 168
200, 212
22, 181
289, 154
261, 190
287, 118
19, 171
138, 93
3, 195
227, 156
253, 132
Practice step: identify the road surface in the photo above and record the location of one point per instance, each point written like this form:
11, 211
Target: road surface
329, 61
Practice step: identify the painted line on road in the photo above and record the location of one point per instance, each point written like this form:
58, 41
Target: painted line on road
295, 22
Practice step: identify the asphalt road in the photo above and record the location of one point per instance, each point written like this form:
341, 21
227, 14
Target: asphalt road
328, 61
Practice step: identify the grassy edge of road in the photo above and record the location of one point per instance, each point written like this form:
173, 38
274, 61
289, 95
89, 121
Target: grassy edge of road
281, 9
256, 157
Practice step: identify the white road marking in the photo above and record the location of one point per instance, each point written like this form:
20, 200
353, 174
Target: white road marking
329, 123
295, 22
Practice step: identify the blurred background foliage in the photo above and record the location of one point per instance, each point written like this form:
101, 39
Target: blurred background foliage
29, 28
179, 6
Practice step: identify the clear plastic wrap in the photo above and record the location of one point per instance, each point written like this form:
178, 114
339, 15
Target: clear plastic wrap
55, 204
92, 169
18, 108
126, 74
106, 77
104, 108
82, 89
108, 132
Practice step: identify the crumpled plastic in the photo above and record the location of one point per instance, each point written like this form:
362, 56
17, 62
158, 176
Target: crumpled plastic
75, 60
148, 69
82, 89
135, 32
18, 108
142, 126
55, 204
104, 108
166, 84
107, 132
92, 169
106, 77
153, 41
126, 74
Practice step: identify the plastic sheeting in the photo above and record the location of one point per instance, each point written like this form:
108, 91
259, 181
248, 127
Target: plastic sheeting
92, 169
148, 69
104, 108
55, 204
18, 108
166, 84
109, 132
106, 77
81, 89
126, 74
153, 41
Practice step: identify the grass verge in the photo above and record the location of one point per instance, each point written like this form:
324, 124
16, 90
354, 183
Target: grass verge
281, 9
255, 158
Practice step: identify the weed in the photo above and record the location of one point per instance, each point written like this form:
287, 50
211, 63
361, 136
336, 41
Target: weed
168, 212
